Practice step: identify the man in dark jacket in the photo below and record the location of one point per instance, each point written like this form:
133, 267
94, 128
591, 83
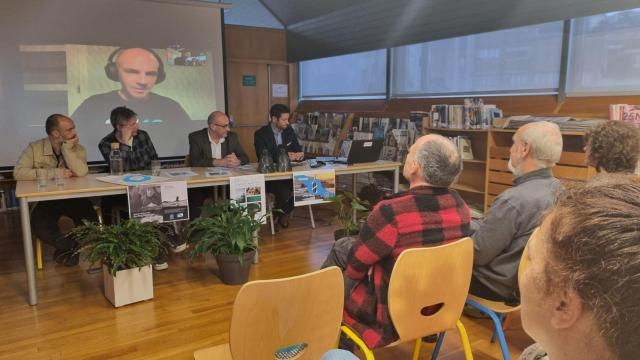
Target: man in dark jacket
271, 137
216, 145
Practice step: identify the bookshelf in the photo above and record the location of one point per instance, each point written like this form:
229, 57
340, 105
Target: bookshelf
321, 134
471, 182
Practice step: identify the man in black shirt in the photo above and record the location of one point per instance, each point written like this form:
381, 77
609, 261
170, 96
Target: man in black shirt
137, 70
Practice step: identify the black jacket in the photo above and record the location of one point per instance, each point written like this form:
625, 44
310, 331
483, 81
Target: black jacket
264, 139
200, 148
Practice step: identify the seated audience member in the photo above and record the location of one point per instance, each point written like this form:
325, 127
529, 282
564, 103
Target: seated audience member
428, 214
272, 136
215, 145
581, 293
613, 147
137, 152
501, 236
52, 220
136, 148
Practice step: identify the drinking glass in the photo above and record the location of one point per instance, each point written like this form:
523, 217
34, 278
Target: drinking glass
59, 176
43, 177
156, 165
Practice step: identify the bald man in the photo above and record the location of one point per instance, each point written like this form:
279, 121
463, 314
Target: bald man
216, 145
501, 236
429, 213
138, 70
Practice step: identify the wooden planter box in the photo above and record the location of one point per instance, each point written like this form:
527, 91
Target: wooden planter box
128, 286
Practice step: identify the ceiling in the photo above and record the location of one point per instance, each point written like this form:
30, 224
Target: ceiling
317, 29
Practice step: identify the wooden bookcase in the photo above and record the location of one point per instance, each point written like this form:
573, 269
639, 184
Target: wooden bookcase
471, 182
344, 131
571, 167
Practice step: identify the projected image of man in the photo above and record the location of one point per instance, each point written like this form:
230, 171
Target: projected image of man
138, 70
138, 73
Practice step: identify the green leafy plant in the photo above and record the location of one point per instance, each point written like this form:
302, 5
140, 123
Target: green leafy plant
128, 245
225, 228
345, 202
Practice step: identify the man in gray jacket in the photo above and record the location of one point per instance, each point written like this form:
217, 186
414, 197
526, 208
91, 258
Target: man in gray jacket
501, 236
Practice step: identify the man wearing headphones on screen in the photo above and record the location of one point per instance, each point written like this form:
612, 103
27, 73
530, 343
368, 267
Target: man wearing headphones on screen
137, 70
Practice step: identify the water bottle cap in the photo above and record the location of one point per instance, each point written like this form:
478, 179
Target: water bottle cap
115, 146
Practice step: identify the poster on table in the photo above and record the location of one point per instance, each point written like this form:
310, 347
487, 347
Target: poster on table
249, 191
159, 202
313, 186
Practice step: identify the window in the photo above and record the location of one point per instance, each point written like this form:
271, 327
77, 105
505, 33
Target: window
605, 54
525, 59
360, 75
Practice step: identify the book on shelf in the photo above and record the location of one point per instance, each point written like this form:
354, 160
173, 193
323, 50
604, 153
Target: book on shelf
626, 113
397, 134
318, 133
474, 114
463, 143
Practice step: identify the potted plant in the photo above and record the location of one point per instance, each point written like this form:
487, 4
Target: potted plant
126, 252
227, 231
345, 203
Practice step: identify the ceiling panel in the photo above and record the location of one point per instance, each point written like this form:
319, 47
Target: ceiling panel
317, 29
295, 11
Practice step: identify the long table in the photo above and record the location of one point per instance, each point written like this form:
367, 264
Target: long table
89, 186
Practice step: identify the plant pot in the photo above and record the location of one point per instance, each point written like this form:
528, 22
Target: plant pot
128, 286
231, 271
340, 233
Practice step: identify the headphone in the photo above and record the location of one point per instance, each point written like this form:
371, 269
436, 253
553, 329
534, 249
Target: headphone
111, 69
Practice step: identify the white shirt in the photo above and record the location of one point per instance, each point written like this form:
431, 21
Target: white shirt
216, 148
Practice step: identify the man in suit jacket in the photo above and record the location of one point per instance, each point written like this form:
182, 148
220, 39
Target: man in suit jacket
216, 145
270, 137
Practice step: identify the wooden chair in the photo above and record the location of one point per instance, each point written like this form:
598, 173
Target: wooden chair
497, 310
269, 315
423, 277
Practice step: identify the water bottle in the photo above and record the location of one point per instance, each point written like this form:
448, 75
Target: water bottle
115, 159
284, 163
265, 165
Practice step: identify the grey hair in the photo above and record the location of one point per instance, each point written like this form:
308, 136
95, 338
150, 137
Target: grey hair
439, 161
545, 140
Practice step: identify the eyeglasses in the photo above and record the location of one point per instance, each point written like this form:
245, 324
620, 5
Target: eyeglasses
225, 126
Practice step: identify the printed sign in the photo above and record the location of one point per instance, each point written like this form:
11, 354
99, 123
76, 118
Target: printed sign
313, 186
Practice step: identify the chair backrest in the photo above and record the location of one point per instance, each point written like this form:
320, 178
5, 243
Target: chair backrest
269, 315
424, 278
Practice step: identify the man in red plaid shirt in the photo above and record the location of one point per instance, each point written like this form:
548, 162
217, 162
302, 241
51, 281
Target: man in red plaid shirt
426, 215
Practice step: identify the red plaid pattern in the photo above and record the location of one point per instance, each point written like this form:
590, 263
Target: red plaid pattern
423, 216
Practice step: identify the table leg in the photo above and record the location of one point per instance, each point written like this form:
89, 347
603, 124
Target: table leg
354, 190
28, 251
396, 179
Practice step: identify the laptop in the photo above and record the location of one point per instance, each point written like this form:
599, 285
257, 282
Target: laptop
359, 151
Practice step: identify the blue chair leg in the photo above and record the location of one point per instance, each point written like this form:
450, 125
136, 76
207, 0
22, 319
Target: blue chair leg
436, 349
493, 335
498, 327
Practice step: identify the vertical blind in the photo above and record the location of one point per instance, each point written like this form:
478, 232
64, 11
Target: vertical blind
354, 75
519, 59
605, 54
